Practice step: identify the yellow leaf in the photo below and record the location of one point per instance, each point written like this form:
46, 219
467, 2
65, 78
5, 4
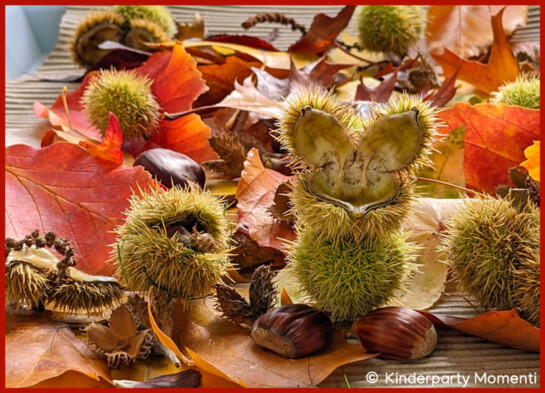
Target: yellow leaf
532, 160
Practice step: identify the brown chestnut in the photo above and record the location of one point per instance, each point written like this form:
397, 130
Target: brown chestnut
293, 330
398, 333
171, 168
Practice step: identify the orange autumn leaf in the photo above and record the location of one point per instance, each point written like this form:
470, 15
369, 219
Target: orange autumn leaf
110, 148
38, 350
231, 351
502, 327
532, 163
495, 139
64, 189
176, 84
255, 195
502, 66
465, 30
220, 78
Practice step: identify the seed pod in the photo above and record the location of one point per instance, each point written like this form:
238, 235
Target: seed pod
348, 278
142, 31
390, 28
171, 168
90, 32
293, 330
155, 13
128, 96
398, 333
81, 293
175, 240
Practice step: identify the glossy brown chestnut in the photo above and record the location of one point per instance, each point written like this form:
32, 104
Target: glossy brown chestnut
293, 330
398, 333
171, 168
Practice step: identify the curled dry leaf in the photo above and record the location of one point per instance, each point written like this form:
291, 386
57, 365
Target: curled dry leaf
255, 195
502, 66
496, 136
323, 32
64, 188
502, 327
426, 226
465, 30
38, 350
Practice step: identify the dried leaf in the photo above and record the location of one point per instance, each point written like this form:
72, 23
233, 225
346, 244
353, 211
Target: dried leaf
464, 30
502, 327
381, 93
496, 136
110, 148
276, 60
323, 32
246, 97
63, 188
40, 350
427, 227
532, 163
195, 30
255, 195
502, 66
448, 162
246, 40
228, 351
445, 93
220, 78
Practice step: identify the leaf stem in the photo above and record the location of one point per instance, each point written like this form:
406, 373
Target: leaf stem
65, 104
444, 183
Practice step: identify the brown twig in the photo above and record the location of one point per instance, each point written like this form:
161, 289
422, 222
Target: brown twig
276, 17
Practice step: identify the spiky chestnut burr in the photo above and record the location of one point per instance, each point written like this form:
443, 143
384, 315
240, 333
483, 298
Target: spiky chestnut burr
346, 175
144, 31
175, 240
523, 92
128, 96
493, 246
349, 278
36, 279
389, 28
155, 13
90, 32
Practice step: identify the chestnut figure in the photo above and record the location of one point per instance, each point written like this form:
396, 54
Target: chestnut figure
171, 168
398, 333
293, 330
